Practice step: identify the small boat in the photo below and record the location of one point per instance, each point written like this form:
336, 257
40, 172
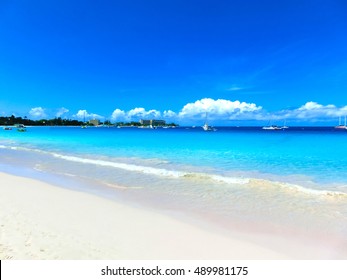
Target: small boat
206, 127
21, 128
147, 127
84, 125
7, 128
271, 127
341, 126
284, 125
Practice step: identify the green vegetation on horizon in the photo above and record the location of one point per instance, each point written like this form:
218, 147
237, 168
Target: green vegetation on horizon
12, 120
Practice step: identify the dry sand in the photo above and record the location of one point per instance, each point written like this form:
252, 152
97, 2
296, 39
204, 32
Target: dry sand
42, 221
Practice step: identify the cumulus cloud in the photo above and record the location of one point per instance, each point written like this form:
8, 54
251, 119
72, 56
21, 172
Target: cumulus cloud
169, 114
313, 111
118, 115
37, 113
83, 114
135, 114
61, 112
142, 113
218, 109
226, 110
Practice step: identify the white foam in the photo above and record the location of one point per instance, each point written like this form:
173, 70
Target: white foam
300, 189
129, 167
231, 180
313, 191
185, 175
153, 171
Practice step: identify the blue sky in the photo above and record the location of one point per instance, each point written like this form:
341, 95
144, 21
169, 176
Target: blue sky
243, 61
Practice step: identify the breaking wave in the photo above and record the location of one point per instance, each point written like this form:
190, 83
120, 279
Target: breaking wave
154, 171
162, 172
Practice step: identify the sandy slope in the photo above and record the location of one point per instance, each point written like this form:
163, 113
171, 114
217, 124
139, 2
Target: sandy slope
41, 221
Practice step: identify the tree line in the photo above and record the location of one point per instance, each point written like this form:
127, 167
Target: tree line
12, 120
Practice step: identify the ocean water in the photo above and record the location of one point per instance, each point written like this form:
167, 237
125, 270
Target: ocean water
294, 177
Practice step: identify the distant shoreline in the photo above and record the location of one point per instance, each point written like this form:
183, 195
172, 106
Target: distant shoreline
225, 128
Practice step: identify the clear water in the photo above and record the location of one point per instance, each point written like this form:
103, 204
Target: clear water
296, 177
318, 154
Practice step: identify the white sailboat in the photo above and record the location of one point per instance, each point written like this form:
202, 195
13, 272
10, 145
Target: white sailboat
271, 127
284, 125
206, 127
84, 125
341, 126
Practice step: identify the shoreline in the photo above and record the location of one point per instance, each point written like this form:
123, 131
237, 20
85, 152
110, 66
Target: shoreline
42, 221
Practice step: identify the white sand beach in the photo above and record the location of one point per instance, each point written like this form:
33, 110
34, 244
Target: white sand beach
42, 221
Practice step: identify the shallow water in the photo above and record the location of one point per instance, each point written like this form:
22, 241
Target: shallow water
274, 179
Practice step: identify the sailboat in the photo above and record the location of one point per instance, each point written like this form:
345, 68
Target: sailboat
271, 127
84, 121
340, 126
206, 127
284, 125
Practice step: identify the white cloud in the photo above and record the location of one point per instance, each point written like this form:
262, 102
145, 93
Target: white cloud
218, 109
61, 112
313, 111
223, 110
37, 113
311, 106
118, 115
169, 114
135, 114
153, 113
142, 113
234, 88
83, 114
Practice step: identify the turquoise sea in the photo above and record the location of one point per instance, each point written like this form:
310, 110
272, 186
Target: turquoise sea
288, 178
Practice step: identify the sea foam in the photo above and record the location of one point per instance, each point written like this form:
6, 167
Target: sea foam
162, 172
154, 171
